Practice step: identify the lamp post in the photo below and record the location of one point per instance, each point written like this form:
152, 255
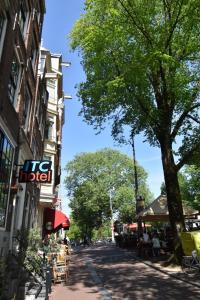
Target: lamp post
111, 212
139, 199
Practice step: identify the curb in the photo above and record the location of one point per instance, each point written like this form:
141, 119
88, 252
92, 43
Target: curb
160, 269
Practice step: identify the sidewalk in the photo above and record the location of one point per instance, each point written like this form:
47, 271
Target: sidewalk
159, 264
174, 271
79, 286
171, 270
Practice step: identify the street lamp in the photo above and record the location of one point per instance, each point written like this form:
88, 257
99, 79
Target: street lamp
111, 212
139, 199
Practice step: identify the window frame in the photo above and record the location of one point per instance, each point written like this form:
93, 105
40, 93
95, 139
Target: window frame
5, 146
49, 128
28, 98
23, 18
34, 53
14, 83
2, 31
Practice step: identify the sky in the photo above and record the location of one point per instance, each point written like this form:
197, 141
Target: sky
77, 135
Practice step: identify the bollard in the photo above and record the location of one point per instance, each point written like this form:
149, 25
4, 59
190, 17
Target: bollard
48, 279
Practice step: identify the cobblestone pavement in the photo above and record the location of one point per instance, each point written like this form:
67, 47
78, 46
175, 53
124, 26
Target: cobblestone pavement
111, 273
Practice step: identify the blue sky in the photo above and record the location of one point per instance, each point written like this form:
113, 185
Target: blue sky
77, 135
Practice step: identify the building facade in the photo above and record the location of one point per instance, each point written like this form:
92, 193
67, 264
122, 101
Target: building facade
23, 104
52, 63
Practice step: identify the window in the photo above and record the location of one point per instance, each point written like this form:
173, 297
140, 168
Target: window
45, 96
37, 13
41, 117
34, 148
6, 160
39, 112
47, 157
2, 19
26, 107
49, 128
34, 52
51, 86
3, 23
14, 78
22, 20
42, 63
42, 102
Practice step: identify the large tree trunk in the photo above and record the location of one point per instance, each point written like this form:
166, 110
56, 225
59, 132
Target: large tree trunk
174, 202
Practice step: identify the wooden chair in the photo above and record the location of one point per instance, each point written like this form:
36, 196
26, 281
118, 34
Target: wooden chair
61, 268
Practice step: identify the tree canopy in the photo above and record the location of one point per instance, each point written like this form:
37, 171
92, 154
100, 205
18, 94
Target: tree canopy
92, 178
141, 60
190, 186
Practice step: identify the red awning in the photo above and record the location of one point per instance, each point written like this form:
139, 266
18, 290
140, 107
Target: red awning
134, 225
55, 220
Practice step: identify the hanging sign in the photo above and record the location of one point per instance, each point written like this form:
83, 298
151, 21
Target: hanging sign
36, 171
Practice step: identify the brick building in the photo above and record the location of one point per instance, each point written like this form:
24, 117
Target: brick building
23, 104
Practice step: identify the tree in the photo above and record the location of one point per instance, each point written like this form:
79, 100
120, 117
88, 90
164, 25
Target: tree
75, 233
91, 176
141, 60
190, 186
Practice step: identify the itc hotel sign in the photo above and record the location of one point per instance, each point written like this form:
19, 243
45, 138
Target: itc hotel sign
36, 171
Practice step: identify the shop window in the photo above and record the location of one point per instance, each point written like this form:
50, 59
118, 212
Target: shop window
14, 79
6, 160
26, 108
3, 24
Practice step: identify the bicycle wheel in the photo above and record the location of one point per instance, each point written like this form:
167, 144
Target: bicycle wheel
188, 268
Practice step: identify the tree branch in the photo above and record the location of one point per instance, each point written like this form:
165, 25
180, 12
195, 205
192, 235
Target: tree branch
194, 119
142, 107
174, 25
186, 158
181, 119
139, 26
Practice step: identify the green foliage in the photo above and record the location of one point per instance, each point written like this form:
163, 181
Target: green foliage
29, 244
75, 232
190, 186
90, 178
50, 244
141, 60
103, 232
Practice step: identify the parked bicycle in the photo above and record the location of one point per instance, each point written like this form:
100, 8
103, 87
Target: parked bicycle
191, 264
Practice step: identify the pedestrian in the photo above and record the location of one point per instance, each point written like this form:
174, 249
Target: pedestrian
156, 245
146, 237
140, 244
146, 244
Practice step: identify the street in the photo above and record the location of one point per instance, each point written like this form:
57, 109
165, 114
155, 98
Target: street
109, 273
